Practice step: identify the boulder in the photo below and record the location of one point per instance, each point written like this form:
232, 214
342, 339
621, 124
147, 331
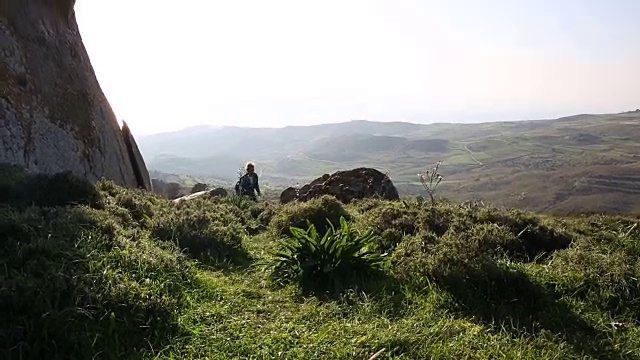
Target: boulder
198, 188
159, 187
173, 190
54, 116
288, 195
345, 186
220, 192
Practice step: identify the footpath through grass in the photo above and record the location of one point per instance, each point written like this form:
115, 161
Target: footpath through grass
105, 273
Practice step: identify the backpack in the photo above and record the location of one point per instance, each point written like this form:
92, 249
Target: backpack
241, 185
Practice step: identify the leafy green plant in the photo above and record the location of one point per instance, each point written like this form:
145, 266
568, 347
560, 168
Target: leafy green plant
330, 263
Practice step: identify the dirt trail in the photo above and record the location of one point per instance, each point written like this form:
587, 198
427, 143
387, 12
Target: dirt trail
471, 154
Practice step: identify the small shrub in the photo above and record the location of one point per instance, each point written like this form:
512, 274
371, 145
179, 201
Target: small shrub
392, 217
330, 263
207, 231
140, 205
413, 260
389, 239
438, 218
366, 204
135, 207
109, 188
481, 241
419, 259
537, 237
315, 211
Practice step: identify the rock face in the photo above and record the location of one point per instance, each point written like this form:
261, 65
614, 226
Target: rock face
345, 186
54, 116
137, 162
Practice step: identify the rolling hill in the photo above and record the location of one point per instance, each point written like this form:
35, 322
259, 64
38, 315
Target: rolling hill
575, 164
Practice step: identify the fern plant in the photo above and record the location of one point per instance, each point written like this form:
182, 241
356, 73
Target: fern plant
336, 261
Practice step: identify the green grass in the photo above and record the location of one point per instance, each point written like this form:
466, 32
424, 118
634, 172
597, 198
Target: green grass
135, 276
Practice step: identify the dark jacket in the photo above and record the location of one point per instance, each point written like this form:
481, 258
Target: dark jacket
248, 184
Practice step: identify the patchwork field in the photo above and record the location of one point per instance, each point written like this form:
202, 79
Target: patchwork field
583, 163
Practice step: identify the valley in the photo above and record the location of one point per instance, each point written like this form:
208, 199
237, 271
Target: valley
576, 164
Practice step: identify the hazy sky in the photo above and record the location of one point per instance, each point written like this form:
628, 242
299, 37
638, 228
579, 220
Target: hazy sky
165, 65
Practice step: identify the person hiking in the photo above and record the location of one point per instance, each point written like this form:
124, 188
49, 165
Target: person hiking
248, 185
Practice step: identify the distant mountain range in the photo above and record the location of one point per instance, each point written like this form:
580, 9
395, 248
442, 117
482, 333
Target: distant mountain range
552, 165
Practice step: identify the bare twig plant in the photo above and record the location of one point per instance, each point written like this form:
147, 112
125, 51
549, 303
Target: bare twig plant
430, 180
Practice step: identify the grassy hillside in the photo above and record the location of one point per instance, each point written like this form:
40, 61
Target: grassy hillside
103, 272
569, 165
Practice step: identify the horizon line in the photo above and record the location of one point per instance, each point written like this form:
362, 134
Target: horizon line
208, 126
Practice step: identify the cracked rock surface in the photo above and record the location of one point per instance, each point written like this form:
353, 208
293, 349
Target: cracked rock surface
53, 114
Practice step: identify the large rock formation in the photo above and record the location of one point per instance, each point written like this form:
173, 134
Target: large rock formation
345, 186
54, 116
137, 161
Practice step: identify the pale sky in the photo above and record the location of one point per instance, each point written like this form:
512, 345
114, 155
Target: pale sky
166, 65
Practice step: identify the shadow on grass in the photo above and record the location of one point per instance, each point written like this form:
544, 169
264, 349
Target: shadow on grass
510, 300
387, 296
380, 291
19, 188
59, 299
235, 260
214, 247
